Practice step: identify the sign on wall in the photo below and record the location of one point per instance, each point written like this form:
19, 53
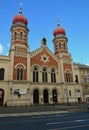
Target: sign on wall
19, 91
22, 91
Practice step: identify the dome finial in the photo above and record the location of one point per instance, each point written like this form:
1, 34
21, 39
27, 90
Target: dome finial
20, 11
58, 22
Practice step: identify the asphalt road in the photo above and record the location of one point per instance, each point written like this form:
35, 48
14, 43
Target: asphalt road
62, 121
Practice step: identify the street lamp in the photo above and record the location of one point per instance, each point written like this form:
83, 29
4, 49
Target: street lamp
67, 95
66, 92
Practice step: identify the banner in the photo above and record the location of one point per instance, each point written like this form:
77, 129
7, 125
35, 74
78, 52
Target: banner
19, 91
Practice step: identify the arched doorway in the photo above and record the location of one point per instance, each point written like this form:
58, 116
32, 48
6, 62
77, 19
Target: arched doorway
36, 96
45, 96
1, 97
54, 95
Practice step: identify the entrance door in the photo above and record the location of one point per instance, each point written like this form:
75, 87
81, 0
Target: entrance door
1, 97
36, 96
45, 96
54, 94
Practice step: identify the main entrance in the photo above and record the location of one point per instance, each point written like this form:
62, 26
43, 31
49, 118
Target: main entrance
36, 96
45, 96
54, 95
1, 97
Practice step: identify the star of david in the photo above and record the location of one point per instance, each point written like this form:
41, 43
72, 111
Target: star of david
44, 58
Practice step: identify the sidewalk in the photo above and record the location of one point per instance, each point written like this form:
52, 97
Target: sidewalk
32, 113
37, 109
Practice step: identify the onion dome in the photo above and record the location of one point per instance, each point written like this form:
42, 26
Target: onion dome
20, 18
59, 31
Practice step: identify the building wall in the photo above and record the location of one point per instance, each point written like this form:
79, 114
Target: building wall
28, 86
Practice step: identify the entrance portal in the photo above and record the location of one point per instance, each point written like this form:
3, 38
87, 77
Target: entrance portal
45, 96
1, 97
54, 94
36, 96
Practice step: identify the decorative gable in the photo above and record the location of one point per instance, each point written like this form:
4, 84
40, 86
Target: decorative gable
44, 58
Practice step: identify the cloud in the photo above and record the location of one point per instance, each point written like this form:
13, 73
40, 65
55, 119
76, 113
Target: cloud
1, 48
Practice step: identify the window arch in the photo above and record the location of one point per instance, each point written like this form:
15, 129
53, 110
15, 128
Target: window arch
65, 45
2, 73
67, 76
35, 74
20, 72
15, 35
44, 75
59, 45
53, 76
21, 35
44, 41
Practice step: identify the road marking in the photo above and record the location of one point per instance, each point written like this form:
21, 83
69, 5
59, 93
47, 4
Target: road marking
82, 120
61, 122
65, 128
54, 123
59, 115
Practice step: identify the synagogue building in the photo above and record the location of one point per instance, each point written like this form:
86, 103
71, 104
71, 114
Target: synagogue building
42, 76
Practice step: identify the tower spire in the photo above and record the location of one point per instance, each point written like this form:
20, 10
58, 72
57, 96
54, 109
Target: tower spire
58, 22
20, 11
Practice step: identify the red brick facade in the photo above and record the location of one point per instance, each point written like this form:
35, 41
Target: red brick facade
20, 60
37, 60
67, 66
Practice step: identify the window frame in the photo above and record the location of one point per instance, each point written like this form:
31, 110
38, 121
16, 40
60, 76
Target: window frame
35, 74
53, 76
68, 76
21, 36
2, 73
20, 72
44, 75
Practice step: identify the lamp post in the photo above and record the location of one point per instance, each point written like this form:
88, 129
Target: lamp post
29, 95
67, 95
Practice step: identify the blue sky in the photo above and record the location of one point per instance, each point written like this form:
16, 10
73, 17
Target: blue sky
42, 17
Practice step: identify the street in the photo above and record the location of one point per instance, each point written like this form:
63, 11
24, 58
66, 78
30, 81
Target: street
62, 121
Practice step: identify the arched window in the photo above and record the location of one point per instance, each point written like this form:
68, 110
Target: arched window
44, 41
67, 76
53, 76
15, 35
20, 73
35, 74
1, 74
44, 75
59, 45
65, 45
21, 35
